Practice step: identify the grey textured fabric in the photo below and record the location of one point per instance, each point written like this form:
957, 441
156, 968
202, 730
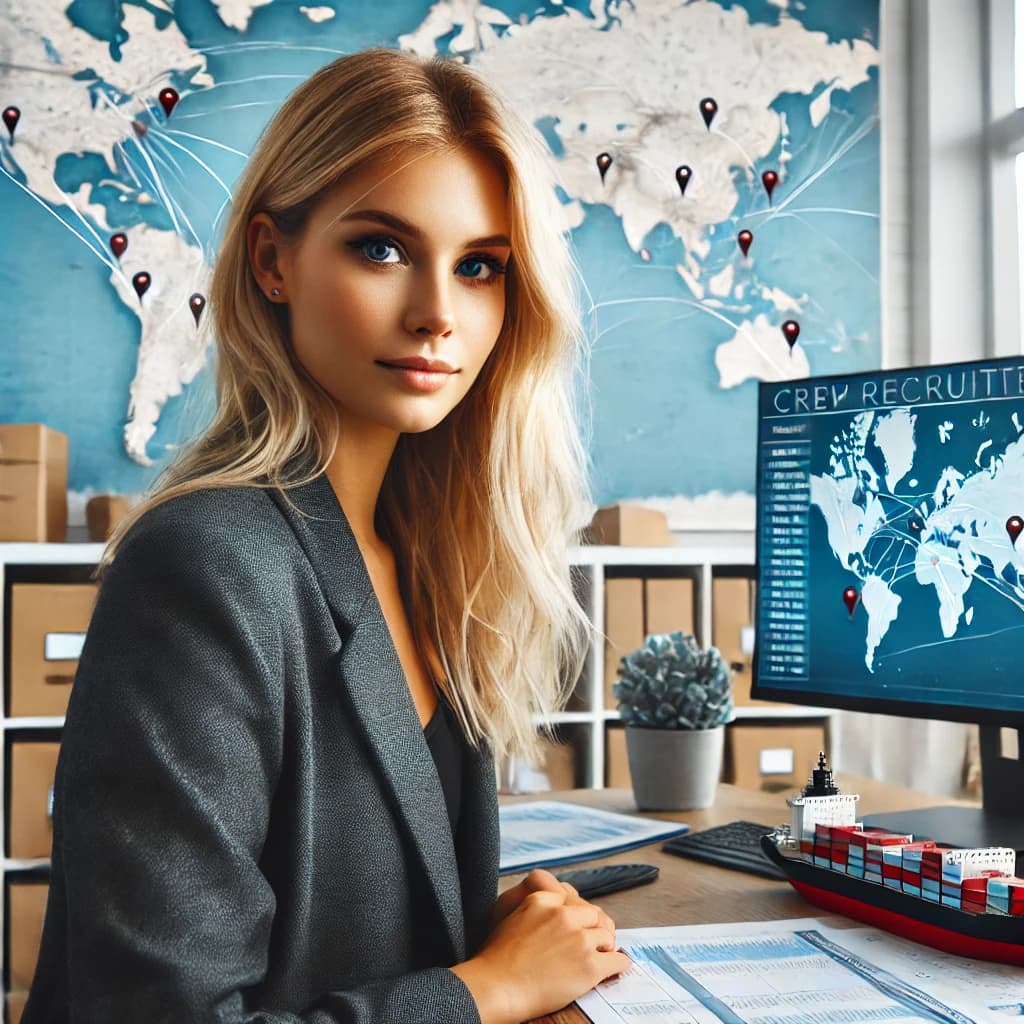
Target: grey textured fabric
239, 701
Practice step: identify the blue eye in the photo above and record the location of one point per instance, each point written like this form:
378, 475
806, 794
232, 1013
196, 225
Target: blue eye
377, 250
475, 268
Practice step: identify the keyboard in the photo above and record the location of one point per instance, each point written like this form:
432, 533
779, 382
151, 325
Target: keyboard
736, 845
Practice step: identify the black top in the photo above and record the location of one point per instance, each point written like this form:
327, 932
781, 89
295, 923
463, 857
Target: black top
442, 735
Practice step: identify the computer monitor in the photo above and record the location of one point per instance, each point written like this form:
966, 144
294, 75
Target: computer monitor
890, 562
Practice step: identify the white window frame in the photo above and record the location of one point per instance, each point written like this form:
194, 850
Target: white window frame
950, 135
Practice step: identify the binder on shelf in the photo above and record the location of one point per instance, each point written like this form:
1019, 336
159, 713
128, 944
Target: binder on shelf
668, 605
623, 627
30, 812
48, 626
26, 902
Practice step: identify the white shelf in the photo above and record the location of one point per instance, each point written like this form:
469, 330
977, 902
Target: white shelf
50, 554
698, 549
34, 722
15, 864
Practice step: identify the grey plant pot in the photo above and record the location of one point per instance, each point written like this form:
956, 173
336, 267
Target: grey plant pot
674, 769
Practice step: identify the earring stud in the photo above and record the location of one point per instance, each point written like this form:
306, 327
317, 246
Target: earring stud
275, 292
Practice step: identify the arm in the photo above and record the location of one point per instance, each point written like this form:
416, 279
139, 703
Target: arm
171, 755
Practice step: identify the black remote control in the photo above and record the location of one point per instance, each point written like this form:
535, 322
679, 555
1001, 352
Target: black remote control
590, 882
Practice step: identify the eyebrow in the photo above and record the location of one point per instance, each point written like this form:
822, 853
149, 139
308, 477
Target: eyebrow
399, 224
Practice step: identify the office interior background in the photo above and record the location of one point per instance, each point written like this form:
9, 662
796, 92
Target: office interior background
856, 172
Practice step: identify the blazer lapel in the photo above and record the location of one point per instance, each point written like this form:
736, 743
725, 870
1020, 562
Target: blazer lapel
372, 678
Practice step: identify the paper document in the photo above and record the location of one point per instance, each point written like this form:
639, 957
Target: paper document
547, 833
799, 972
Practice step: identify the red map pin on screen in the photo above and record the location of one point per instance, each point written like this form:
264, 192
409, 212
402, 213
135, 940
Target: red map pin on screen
743, 239
1014, 526
603, 161
118, 244
850, 598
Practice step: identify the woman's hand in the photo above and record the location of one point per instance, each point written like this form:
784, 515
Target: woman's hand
539, 880
549, 950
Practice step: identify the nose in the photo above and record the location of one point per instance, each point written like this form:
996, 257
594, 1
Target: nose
429, 311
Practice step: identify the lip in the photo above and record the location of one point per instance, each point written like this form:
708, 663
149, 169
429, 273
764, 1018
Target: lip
419, 363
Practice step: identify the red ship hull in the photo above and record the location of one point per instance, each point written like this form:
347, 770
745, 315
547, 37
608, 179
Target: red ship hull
977, 936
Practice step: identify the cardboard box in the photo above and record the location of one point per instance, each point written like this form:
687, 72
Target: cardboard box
104, 512
26, 908
48, 626
772, 757
616, 759
668, 606
16, 1006
30, 824
623, 627
633, 525
33, 483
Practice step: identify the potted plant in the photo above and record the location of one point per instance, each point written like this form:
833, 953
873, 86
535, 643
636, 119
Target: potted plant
675, 700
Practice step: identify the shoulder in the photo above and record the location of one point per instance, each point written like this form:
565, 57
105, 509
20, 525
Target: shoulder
206, 532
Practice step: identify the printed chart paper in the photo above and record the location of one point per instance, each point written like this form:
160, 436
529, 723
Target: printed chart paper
547, 833
799, 972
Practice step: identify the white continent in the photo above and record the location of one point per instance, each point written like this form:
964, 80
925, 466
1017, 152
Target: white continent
759, 350
882, 607
236, 13
894, 436
584, 72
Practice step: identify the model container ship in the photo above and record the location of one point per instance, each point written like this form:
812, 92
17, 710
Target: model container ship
963, 901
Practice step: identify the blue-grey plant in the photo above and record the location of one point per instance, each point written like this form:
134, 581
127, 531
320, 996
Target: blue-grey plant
671, 683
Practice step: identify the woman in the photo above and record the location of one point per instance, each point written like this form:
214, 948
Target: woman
275, 799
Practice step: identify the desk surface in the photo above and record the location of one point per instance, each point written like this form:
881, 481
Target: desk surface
690, 892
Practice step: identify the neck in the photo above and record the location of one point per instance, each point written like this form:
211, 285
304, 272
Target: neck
356, 472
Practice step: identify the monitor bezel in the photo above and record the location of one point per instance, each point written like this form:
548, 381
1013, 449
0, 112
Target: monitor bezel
848, 702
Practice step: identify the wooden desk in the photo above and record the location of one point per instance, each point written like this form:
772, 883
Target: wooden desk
689, 892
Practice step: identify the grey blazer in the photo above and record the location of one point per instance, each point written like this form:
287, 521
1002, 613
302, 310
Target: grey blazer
248, 824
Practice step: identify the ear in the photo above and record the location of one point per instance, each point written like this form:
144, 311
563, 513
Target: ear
268, 257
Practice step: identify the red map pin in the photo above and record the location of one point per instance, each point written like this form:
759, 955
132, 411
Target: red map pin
708, 109
791, 329
769, 179
850, 598
141, 282
12, 115
118, 244
683, 175
604, 161
1014, 526
168, 100
744, 238
197, 303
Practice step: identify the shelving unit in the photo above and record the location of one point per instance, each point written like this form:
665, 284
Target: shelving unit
700, 557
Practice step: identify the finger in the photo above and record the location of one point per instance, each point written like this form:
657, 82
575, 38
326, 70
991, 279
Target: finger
582, 915
544, 898
539, 880
571, 892
615, 963
602, 939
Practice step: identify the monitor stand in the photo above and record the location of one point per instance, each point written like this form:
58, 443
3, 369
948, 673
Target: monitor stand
1000, 819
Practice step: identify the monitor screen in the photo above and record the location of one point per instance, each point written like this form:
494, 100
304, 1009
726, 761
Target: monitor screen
890, 562
890, 534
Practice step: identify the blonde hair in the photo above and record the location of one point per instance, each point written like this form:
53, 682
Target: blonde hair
481, 508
